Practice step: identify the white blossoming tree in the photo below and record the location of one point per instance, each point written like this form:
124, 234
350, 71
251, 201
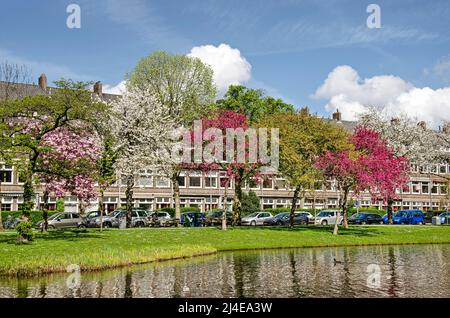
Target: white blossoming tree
141, 127
407, 136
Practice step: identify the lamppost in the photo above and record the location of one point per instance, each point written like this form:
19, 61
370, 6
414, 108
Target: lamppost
1, 200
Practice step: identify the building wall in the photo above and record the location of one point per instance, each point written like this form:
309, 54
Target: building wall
425, 192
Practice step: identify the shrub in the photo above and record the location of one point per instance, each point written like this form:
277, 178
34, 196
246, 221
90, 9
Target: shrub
25, 231
250, 202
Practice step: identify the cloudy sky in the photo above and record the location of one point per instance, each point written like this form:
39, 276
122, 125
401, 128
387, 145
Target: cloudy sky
310, 52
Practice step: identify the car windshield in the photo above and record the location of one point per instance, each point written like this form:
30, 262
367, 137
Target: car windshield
252, 215
281, 215
357, 216
401, 213
55, 216
325, 213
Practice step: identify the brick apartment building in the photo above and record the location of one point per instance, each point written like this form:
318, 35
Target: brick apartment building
427, 187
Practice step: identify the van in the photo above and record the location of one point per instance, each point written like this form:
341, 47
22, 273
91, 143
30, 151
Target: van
409, 217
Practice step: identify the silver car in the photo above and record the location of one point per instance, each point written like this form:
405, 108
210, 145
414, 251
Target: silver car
139, 218
62, 220
256, 218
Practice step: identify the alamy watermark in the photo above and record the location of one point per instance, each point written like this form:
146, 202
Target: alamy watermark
74, 19
374, 19
74, 279
231, 146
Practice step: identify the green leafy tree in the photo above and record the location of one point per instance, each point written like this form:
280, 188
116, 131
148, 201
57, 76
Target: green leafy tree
253, 103
250, 202
303, 137
182, 84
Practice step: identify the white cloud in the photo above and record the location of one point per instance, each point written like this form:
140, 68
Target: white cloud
345, 90
117, 89
440, 70
229, 66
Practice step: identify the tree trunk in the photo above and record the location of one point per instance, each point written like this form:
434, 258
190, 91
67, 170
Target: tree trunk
45, 211
344, 209
1, 197
101, 199
237, 202
390, 202
336, 224
28, 195
176, 196
225, 210
129, 198
293, 206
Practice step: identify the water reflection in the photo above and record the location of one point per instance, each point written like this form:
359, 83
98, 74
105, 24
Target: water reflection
406, 271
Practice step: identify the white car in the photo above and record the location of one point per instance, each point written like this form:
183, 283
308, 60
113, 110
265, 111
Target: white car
256, 218
327, 217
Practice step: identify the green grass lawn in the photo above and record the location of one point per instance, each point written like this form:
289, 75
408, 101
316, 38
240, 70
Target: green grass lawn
94, 250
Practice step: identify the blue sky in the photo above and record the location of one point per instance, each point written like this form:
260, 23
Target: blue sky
292, 46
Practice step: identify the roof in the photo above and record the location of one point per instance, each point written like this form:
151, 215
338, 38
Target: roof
20, 90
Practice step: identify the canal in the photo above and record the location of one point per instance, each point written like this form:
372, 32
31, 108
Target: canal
375, 271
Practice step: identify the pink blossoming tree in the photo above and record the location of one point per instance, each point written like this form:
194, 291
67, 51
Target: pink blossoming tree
371, 166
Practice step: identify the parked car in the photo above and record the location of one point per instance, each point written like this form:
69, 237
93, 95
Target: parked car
327, 217
256, 218
277, 219
445, 218
159, 218
284, 219
409, 217
88, 219
365, 218
385, 217
192, 219
428, 216
62, 220
139, 218
10, 222
214, 218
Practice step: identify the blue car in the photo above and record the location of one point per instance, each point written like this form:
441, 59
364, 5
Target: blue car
445, 218
192, 219
409, 217
385, 217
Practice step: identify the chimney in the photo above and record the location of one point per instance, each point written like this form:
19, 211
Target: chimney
98, 88
337, 115
422, 124
42, 82
395, 121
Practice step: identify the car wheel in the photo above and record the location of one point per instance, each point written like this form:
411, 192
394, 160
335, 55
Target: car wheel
363, 223
420, 223
381, 222
51, 227
279, 223
106, 225
81, 226
253, 223
140, 224
403, 223
324, 222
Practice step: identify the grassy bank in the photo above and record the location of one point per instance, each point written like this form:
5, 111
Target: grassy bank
94, 250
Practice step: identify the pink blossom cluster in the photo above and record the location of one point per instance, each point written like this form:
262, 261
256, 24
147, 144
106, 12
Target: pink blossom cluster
373, 167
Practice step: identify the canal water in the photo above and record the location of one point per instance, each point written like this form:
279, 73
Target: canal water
378, 271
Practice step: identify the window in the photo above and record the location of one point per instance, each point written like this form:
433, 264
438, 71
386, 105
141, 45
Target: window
425, 188
253, 184
223, 181
181, 181
6, 207
145, 181
434, 189
195, 182
442, 169
161, 182
210, 182
5, 176
415, 187
267, 184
